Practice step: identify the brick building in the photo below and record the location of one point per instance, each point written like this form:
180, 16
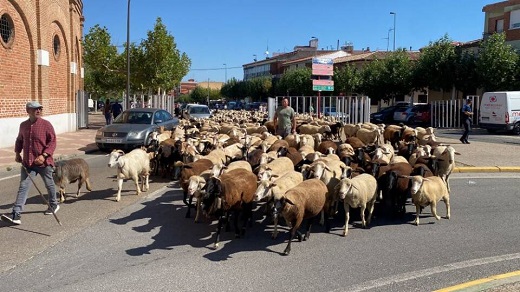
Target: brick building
40, 59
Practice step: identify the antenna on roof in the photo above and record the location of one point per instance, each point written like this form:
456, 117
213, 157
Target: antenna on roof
267, 50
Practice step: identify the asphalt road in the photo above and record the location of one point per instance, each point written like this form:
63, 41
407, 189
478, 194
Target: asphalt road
145, 244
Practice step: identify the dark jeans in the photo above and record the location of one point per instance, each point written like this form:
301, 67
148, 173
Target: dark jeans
467, 129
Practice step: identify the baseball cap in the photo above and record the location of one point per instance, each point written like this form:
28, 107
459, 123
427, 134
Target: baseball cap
33, 104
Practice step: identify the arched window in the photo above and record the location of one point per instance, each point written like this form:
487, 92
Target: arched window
56, 46
6, 30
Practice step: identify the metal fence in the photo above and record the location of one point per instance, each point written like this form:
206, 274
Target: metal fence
446, 113
347, 109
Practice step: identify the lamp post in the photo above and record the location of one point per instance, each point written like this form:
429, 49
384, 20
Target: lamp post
254, 58
128, 57
394, 26
225, 69
388, 38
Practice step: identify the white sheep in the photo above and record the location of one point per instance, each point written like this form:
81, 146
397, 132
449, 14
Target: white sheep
429, 191
358, 192
445, 157
268, 189
130, 166
196, 185
279, 166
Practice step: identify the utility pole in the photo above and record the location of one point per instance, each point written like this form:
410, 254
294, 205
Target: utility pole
127, 103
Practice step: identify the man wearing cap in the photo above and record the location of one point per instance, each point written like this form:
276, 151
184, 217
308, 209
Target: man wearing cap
37, 139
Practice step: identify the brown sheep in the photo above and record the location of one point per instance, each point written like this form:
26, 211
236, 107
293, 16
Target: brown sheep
304, 201
326, 145
233, 192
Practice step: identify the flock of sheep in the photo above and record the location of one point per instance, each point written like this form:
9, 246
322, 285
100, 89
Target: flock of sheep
232, 161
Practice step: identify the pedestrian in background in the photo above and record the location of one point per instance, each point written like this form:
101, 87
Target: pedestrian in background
285, 119
37, 139
107, 112
466, 115
117, 108
177, 110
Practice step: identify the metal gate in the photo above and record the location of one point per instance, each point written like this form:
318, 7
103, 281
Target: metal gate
347, 109
446, 113
82, 109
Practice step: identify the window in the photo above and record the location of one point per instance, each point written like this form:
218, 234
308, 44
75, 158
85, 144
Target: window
514, 21
499, 25
56, 46
6, 30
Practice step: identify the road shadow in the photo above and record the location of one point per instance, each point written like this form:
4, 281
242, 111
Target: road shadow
167, 215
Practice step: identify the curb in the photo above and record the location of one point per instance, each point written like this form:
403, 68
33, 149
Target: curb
486, 169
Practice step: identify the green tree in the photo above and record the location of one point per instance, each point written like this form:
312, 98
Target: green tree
374, 80
259, 88
497, 64
399, 74
296, 82
100, 57
467, 79
436, 68
163, 66
347, 80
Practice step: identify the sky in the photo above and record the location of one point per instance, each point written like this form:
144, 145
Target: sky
221, 36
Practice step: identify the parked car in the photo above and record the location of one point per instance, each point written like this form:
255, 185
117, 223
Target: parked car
385, 115
331, 111
133, 128
422, 114
196, 111
406, 114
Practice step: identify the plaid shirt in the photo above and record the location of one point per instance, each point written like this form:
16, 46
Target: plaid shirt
35, 139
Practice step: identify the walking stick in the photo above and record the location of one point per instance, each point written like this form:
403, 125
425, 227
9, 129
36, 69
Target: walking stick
43, 197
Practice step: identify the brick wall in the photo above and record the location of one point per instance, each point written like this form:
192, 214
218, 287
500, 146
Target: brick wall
21, 78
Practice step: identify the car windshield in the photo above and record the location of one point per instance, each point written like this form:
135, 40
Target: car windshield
134, 118
199, 110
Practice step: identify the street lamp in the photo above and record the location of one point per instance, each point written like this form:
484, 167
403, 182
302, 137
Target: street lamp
388, 38
225, 68
254, 58
128, 57
394, 26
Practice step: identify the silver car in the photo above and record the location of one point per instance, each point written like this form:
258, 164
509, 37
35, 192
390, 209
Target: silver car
196, 111
133, 128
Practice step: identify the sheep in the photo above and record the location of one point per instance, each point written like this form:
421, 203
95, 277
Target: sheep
279, 166
370, 136
325, 147
304, 201
429, 191
220, 168
312, 129
70, 171
330, 172
358, 192
293, 140
232, 192
130, 166
268, 189
445, 157
196, 185
187, 170
350, 130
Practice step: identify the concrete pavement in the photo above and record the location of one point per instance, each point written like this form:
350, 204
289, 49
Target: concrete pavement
479, 156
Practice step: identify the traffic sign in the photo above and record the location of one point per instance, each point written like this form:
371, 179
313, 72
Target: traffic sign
323, 87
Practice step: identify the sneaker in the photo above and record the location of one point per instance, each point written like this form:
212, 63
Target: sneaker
49, 211
13, 219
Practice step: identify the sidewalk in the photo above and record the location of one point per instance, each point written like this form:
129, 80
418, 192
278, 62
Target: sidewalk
475, 157
69, 144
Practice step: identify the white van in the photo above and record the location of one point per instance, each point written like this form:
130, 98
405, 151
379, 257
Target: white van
500, 111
